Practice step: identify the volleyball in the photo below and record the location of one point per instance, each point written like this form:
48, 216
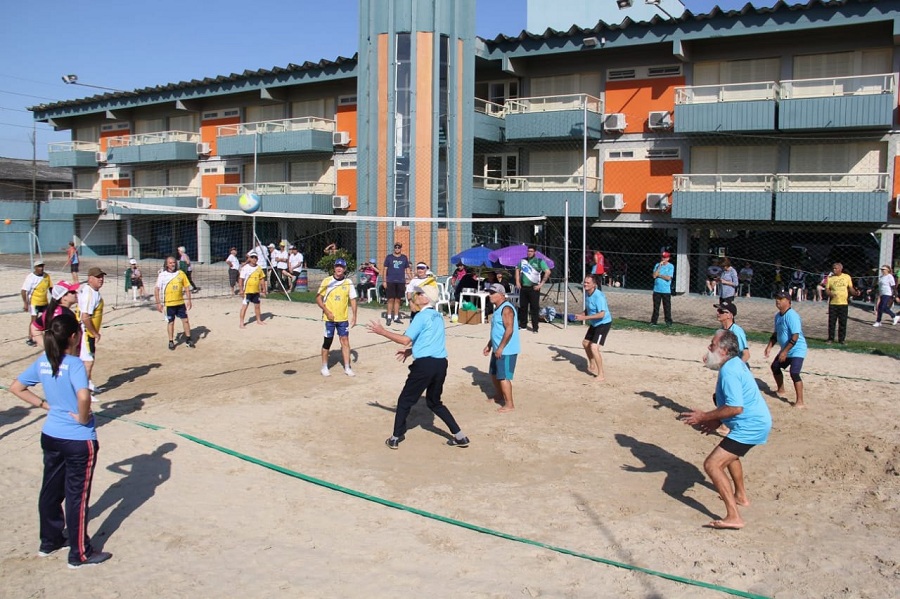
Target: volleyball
249, 202
454, 318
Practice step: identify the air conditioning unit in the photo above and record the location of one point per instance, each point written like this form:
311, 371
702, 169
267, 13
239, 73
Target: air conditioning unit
897, 205
203, 148
614, 122
100, 157
612, 201
340, 202
340, 138
203, 202
657, 202
660, 119
102, 205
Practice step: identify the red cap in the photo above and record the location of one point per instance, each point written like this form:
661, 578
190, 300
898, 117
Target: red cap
666, 254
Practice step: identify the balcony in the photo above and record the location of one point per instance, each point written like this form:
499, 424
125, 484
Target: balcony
554, 117
832, 197
73, 154
860, 102
536, 194
730, 107
723, 196
489, 121
154, 200
292, 197
306, 135
162, 146
74, 201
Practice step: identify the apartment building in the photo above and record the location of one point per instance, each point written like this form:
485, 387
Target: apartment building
693, 132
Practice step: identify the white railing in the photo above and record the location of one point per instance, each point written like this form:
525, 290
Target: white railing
146, 139
74, 194
71, 146
724, 182
489, 108
857, 85
305, 123
729, 92
166, 191
538, 183
863, 182
286, 188
553, 104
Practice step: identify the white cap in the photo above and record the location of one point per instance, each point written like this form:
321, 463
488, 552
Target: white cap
132, 261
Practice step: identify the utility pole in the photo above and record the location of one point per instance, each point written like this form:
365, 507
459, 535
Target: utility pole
35, 206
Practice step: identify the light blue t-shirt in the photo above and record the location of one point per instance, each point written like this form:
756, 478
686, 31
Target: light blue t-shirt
595, 303
427, 333
60, 392
741, 336
661, 285
736, 387
728, 291
498, 329
786, 325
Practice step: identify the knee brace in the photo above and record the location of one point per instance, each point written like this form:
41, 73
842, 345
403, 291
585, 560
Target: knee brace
796, 377
326, 342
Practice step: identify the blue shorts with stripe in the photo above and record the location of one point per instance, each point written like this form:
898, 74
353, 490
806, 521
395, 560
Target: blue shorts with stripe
504, 368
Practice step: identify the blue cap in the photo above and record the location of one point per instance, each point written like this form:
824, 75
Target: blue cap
340, 262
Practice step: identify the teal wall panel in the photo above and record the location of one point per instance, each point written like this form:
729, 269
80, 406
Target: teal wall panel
832, 207
489, 128
842, 112
73, 158
285, 203
712, 205
560, 124
161, 152
294, 142
487, 201
70, 207
757, 115
550, 203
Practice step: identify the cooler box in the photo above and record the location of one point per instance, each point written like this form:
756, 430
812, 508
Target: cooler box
469, 317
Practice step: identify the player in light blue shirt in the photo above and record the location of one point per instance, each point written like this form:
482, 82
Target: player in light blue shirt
599, 318
663, 272
789, 336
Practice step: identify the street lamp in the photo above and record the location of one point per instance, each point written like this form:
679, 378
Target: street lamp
73, 80
623, 4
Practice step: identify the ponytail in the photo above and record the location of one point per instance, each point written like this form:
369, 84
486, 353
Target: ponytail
56, 339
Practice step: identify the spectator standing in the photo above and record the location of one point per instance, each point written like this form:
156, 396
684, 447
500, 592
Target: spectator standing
740, 407
137, 277
887, 289
663, 273
778, 283
337, 299
234, 270
184, 264
838, 290
73, 260
728, 282
426, 342
599, 267
397, 273
68, 440
599, 319
503, 347
35, 296
295, 263
745, 276
280, 267
789, 336
531, 274
252, 281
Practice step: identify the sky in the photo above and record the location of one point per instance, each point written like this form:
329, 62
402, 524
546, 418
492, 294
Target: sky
131, 45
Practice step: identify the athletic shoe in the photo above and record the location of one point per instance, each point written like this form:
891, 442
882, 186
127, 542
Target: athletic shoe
96, 558
190, 343
349, 372
394, 442
897, 319
397, 320
31, 343
195, 290
454, 442
94, 399
171, 345
325, 371
91, 386
876, 324
54, 549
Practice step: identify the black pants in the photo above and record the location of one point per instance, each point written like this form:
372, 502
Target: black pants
68, 472
425, 374
666, 299
529, 302
837, 315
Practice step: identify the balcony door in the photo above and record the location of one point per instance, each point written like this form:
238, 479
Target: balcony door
498, 166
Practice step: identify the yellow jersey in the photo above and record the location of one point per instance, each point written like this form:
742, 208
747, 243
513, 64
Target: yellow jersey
90, 302
253, 278
171, 286
336, 295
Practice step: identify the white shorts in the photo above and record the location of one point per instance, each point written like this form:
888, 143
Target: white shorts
88, 347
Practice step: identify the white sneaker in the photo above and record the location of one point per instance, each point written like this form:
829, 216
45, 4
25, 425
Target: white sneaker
897, 319
876, 324
325, 371
91, 385
349, 372
94, 399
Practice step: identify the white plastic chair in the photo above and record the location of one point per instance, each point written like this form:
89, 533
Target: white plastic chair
443, 299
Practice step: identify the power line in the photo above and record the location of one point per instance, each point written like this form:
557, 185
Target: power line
27, 126
3, 91
14, 109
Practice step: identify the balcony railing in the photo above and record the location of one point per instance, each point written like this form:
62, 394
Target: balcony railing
730, 92
554, 104
146, 139
837, 182
857, 85
538, 183
74, 194
306, 123
166, 191
73, 146
286, 188
724, 182
489, 108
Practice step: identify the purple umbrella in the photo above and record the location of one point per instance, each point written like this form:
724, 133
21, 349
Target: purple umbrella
513, 254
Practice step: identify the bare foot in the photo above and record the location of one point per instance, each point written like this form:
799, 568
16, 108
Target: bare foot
261, 322
600, 379
780, 392
243, 326
726, 524
800, 405
506, 409
742, 501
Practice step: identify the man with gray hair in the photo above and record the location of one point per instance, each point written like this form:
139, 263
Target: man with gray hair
739, 406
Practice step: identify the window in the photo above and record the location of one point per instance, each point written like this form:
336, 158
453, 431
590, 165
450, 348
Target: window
271, 112
402, 137
662, 153
498, 166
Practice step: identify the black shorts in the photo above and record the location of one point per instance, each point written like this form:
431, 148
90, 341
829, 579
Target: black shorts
137, 283
395, 290
598, 334
735, 447
74, 267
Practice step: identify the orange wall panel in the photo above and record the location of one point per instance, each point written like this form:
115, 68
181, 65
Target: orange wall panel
634, 179
346, 185
422, 150
346, 121
208, 130
107, 184
636, 98
105, 135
